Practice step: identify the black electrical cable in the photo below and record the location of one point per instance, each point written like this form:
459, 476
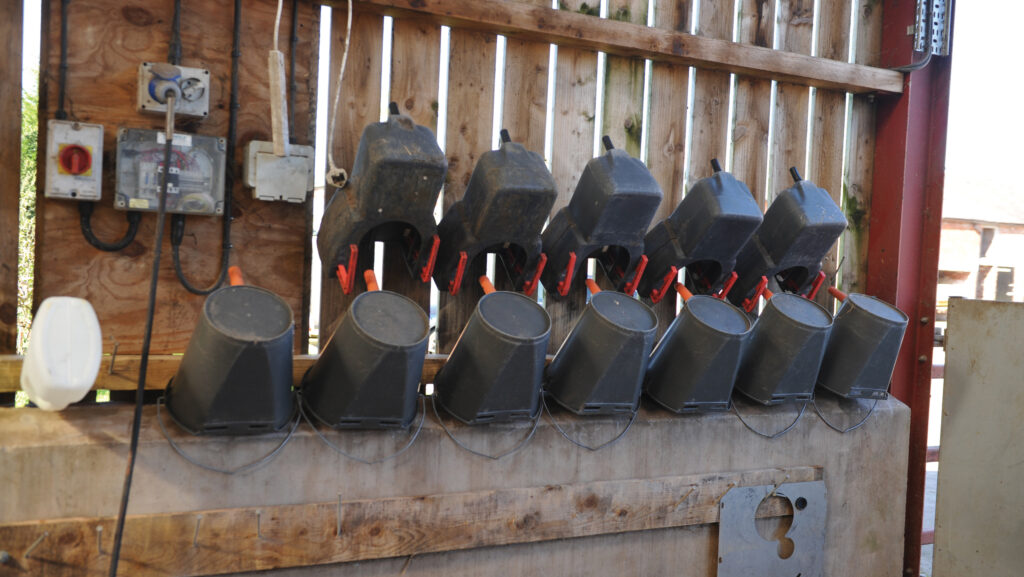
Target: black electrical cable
140, 388
292, 45
174, 49
86, 207
928, 46
178, 221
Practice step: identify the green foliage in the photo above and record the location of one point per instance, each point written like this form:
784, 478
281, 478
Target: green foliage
27, 213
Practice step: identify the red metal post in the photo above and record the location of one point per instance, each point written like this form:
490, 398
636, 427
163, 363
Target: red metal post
905, 223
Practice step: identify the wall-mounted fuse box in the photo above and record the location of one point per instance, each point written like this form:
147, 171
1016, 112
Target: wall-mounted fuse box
273, 177
193, 85
196, 183
74, 160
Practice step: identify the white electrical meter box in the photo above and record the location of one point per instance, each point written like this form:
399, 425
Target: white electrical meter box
74, 160
196, 174
272, 177
193, 83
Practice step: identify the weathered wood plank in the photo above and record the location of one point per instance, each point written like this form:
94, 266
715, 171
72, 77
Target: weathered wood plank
860, 154
622, 117
789, 125
248, 539
710, 97
359, 106
122, 374
666, 144
572, 147
829, 120
107, 41
10, 173
570, 28
753, 103
469, 133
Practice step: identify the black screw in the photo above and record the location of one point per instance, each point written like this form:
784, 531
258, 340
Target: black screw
795, 174
715, 166
607, 140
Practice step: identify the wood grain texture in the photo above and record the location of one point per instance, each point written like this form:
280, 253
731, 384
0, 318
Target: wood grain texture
214, 542
108, 40
828, 138
753, 104
572, 147
570, 27
622, 117
10, 173
666, 144
789, 125
710, 132
358, 107
469, 134
860, 155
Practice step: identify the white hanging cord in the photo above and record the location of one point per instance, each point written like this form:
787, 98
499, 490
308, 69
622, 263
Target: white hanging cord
277, 23
335, 175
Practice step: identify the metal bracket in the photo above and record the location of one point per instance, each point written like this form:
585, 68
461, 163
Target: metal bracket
932, 17
742, 551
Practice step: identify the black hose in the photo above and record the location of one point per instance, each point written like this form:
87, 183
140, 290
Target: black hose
140, 388
85, 209
178, 221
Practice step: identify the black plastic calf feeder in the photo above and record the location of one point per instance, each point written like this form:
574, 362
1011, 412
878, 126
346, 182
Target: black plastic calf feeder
609, 212
236, 375
786, 347
368, 373
799, 228
862, 348
494, 372
390, 197
694, 366
600, 367
704, 234
503, 210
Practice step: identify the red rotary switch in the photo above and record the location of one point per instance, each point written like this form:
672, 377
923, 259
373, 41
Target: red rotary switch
75, 159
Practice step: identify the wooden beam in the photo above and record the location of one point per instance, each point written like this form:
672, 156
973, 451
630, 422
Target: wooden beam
250, 539
10, 169
568, 28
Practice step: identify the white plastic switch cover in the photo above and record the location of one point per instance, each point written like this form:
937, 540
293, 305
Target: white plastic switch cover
74, 160
64, 351
272, 177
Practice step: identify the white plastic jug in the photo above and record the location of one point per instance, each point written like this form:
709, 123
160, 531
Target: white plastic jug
64, 352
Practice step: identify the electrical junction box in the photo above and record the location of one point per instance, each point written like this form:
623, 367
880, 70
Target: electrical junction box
74, 160
196, 183
273, 177
193, 83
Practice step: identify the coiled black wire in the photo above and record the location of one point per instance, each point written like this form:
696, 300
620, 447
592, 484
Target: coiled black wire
178, 220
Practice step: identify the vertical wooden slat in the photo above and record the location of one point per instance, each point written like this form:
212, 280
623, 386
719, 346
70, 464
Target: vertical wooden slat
624, 84
860, 153
789, 127
710, 96
572, 148
469, 132
753, 103
524, 105
10, 173
359, 106
666, 144
415, 69
829, 119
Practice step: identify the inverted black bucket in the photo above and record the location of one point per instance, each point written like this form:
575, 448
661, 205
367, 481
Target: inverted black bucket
236, 375
368, 373
600, 367
862, 348
785, 351
494, 373
694, 366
